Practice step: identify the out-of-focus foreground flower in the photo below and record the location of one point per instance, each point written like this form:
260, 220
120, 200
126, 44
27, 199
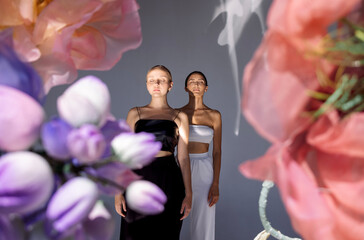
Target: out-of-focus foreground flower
303, 91
60, 36
52, 172
145, 197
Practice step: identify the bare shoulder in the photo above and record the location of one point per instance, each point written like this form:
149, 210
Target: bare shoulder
215, 114
133, 112
132, 117
181, 117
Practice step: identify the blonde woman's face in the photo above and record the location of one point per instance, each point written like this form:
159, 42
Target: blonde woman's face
158, 82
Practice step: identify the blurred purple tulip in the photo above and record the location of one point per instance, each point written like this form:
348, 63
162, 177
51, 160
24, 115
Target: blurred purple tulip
86, 143
20, 119
100, 224
115, 172
54, 138
11, 228
70, 205
110, 130
26, 182
15, 73
145, 197
135, 149
86, 101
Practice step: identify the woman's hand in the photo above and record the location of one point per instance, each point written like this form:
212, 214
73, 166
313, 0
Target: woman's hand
213, 196
120, 204
186, 206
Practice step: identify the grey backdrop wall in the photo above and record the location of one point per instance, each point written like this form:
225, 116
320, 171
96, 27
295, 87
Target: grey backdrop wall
181, 36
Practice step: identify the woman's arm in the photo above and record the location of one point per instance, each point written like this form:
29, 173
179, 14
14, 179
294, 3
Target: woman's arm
184, 162
213, 196
119, 198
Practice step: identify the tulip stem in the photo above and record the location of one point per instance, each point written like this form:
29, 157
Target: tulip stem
105, 181
263, 217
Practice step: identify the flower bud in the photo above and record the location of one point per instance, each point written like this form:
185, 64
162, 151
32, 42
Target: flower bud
54, 138
20, 119
135, 149
110, 130
26, 182
145, 197
99, 224
87, 144
86, 101
70, 205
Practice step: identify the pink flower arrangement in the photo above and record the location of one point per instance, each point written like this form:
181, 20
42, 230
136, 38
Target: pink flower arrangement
303, 92
61, 36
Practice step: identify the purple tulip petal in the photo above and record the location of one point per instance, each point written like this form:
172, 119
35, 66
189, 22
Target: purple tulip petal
85, 102
100, 224
70, 205
87, 144
145, 197
20, 119
26, 182
135, 149
54, 138
17, 74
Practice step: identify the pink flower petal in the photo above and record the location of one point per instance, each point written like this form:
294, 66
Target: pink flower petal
307, 19
309, 213
275, 85
332, 135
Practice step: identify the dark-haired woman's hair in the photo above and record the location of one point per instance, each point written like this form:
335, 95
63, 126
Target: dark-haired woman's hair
163, 68
196, 72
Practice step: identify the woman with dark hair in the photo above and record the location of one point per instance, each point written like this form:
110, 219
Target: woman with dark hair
170, 127
205, 127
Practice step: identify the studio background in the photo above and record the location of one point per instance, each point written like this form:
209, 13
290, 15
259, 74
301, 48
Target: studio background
182, 36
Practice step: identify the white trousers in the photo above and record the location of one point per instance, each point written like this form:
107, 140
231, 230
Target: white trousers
202, 217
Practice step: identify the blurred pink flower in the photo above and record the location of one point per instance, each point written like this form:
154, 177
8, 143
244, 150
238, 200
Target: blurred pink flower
20, 119
317, 165
61, 36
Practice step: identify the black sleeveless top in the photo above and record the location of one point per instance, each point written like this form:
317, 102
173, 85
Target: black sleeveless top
164, 130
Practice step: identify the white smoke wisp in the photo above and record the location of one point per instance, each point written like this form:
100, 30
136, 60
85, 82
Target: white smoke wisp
238, 13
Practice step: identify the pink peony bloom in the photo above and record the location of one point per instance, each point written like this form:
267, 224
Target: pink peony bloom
20, 119
61, 36
317, 165
288, 17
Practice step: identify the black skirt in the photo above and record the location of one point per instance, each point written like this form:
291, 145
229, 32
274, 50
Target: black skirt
166, 174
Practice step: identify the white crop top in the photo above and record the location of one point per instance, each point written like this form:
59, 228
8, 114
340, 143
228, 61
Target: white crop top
201, 133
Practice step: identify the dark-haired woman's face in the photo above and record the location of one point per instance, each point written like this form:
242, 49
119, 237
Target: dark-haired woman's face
196, 84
